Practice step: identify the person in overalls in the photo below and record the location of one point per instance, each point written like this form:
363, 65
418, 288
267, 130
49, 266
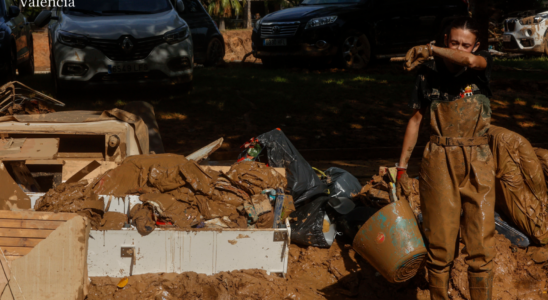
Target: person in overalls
457, 176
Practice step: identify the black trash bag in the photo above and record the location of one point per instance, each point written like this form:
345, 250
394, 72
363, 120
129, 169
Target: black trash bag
351, 223
307, 224
341, 183
301, 178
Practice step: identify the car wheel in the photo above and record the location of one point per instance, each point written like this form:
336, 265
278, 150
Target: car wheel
27, 68
215, 52
57, 90
355, 51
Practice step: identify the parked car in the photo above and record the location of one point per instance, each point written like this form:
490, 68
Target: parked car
209, 45
526, 35
350, 31
102, 42
17, 52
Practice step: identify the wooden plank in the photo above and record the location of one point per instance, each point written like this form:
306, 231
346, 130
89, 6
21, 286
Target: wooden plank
35, 215
30, 224
35, 148
17, 250
12, 257
86, 170
80, 155
72, 167
28, 233
19, 242
56, 268
55, 162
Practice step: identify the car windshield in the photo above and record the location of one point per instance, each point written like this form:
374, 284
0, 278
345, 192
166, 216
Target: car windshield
107, 7
312, 2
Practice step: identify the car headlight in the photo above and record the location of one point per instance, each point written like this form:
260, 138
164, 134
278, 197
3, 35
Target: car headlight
72, 39
538, 19
320, 21
258, 24
178, 35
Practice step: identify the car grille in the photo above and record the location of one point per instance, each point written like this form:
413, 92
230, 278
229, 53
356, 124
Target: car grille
113, 49
510, 25
511, 45
279, 29
150, 75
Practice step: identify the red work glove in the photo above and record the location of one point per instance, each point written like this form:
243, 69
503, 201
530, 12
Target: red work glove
416, 56
401, 171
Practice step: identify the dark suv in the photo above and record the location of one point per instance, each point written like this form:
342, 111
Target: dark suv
350, 31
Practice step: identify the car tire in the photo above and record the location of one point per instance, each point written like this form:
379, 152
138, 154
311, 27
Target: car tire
27, 68
215, 52
354, 51
57, 89
11, 67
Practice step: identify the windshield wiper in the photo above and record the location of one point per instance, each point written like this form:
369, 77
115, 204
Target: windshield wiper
128, 12
86, 11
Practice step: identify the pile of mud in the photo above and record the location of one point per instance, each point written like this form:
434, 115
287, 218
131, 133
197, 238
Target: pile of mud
174, 192
335, 273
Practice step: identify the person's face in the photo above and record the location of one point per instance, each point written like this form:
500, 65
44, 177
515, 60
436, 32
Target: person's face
462, 40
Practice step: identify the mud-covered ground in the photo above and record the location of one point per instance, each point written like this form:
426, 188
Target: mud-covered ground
335, 273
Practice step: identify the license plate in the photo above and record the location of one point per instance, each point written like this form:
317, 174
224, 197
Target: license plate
275, 42
506, 38
127, 68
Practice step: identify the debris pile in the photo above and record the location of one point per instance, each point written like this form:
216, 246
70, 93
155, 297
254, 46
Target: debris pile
18, 99
175, 192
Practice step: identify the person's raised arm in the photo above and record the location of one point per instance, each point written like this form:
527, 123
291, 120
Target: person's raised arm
410, 138
461, 58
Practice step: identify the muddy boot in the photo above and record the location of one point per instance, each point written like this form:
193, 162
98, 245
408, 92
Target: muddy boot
481, 286
439, 285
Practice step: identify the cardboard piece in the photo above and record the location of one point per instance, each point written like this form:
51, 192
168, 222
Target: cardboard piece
22, 176
12, 196
56, 268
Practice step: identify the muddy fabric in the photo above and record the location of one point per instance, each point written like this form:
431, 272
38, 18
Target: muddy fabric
254, 177
74, 198
134, 175
141, 218
169, 209
520, 183
542, 155
455, 179
113, 221
197, 177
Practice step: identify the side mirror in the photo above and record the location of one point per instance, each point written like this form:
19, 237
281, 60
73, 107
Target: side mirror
180, 6
42, 19
14, 11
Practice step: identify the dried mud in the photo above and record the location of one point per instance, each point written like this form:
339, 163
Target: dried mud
335, 273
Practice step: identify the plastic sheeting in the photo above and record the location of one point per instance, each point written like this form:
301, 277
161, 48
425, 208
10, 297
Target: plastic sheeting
301, 178
520, 183
340, 183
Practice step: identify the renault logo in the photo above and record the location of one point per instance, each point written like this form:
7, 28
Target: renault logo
276, 29
126, 44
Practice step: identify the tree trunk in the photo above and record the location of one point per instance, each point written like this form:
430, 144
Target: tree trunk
480, 12
222, 24
248, 23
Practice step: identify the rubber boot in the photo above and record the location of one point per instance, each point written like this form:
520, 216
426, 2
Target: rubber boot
481, 286
439, 285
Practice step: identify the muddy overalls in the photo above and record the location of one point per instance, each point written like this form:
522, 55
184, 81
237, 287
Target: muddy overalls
458, 175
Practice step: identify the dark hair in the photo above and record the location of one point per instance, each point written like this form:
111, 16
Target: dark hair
464, 23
